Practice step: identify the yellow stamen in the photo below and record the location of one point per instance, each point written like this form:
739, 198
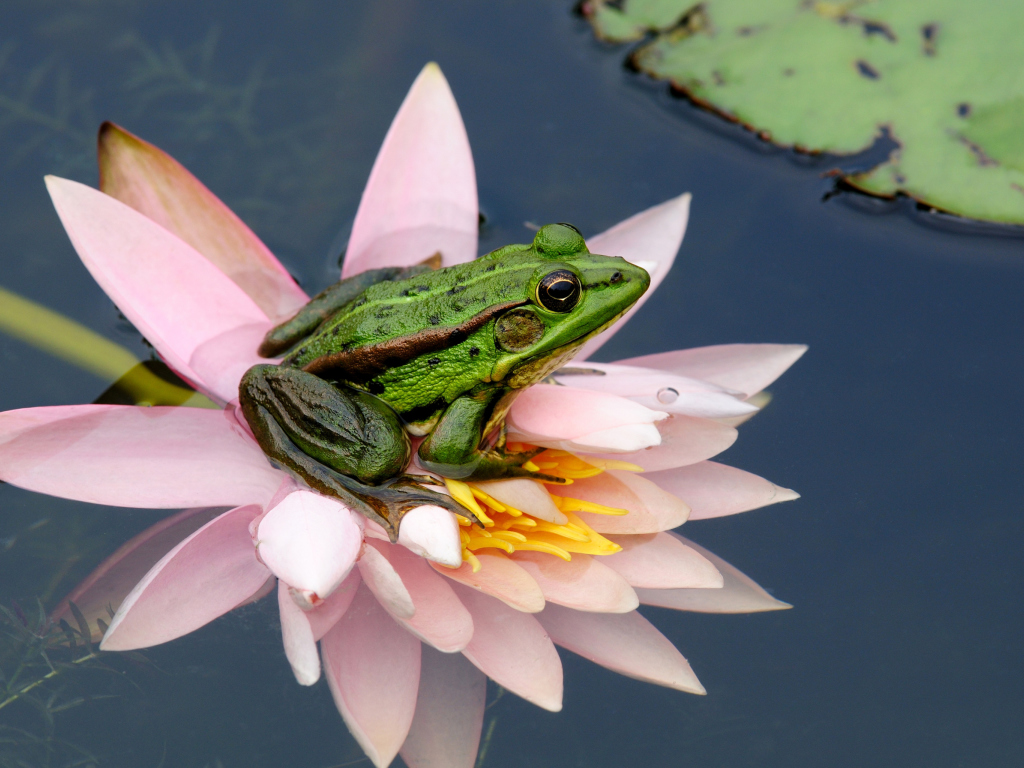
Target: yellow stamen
482, 543
510, 530
512, 537
541, 546
461, 492
569, 504
616, 464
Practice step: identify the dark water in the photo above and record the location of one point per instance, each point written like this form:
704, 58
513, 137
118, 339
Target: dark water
901, 427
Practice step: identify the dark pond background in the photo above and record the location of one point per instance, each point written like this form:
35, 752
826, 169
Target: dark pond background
901, 427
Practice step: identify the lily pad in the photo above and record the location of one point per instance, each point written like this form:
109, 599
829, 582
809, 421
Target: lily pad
942, 78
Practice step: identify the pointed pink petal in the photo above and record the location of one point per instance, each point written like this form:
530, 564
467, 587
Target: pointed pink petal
103, 590
546, 412
221, 361
661, 561
513, 650
584, 583
421, 196
623, 642
445, 732
206, 575
297, 636
684, 440
739, 594
440, 618
651, 239
310, 541
659, 390
175, 297
385, 583
129, 456
157, 186
715, 490
746, 368
329, 612
500, 577
650, 508
372, 666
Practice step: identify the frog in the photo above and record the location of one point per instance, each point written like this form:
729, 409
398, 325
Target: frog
429, 354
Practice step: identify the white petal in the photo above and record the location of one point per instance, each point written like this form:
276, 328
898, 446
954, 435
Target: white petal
525, 495
433, 533
297, 635
310, 541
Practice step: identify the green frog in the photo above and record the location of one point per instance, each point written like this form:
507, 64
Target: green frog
433, 353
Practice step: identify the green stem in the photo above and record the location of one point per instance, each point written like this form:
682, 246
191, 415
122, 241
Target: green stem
48, 676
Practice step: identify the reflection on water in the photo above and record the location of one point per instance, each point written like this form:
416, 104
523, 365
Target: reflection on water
899, 428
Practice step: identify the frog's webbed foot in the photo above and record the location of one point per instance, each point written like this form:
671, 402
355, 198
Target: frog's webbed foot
494, 464
498, 463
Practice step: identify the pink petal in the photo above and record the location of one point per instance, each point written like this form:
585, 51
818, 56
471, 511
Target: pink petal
385, 583
746, 368
206, 575
421, 196
659, 390
584, 583
650, 508
103, 590
221, 361
329, 612
501, 578
297, 636
715, 490
661, 561
513, 650
310, 541
440, 619
549, 412
623, 642
684, 440
373, 669
172, 294
445, 732
650, 239
130, 456
739, 594
157, 186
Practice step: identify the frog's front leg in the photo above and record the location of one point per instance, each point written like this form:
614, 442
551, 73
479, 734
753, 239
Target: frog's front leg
342, 442
453, 448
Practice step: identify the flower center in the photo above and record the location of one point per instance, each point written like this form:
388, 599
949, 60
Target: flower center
510, 529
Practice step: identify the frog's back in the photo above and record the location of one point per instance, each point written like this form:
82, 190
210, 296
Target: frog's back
421, 342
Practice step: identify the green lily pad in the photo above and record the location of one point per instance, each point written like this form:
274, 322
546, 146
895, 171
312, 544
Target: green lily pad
942, 77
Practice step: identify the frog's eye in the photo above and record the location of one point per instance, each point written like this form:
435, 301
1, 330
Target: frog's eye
559, 291
570, 226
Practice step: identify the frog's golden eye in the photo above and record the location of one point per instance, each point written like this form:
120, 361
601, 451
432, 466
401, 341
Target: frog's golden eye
559, 291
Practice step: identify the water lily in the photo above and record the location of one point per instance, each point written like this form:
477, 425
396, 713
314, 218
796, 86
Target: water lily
415, 626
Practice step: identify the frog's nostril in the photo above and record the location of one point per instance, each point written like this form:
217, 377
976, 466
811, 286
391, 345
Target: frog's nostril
617, 277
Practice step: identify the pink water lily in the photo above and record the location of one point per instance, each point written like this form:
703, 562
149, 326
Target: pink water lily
412, 627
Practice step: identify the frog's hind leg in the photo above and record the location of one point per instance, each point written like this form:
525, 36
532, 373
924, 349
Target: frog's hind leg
344, 443
283, 337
